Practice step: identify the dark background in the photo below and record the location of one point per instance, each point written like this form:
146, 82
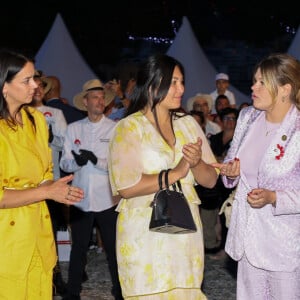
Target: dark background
100, 29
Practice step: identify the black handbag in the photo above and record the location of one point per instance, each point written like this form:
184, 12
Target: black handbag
170, 210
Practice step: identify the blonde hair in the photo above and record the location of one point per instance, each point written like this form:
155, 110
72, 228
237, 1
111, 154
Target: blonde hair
279, 69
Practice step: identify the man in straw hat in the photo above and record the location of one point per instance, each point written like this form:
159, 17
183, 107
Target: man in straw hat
203, 102
85, 154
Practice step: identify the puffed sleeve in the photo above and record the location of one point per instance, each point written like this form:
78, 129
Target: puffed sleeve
124, 163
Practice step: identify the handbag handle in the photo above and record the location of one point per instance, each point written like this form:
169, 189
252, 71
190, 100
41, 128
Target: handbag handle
161, 173
175, 185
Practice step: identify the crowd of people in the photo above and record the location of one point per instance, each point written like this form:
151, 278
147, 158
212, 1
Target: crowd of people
95, 164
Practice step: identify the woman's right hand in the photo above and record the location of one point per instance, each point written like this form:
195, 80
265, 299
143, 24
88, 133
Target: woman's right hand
61, 191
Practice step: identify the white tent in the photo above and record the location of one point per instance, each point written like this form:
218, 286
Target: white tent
199, 72
294, 48
60, 57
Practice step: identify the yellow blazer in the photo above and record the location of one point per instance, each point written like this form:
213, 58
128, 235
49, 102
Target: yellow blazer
25, 162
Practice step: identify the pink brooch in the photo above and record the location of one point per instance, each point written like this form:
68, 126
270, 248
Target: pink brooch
280, 151
77, 142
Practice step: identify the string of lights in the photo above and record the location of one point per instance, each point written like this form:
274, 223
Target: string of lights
157, 39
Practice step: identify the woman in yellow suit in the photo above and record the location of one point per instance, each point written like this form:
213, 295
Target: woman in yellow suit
27, 248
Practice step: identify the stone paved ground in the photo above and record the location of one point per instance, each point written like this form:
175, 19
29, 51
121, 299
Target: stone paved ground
219, 279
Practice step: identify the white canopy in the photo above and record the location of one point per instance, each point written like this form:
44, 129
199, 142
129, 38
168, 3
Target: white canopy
199, 72
60, 57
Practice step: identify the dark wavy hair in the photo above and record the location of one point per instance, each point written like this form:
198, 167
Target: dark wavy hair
11, 63
152, 84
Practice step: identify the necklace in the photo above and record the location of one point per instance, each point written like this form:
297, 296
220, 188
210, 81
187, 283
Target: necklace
271, 127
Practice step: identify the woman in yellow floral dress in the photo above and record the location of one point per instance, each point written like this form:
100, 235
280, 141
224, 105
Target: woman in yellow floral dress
27, 248
150, 138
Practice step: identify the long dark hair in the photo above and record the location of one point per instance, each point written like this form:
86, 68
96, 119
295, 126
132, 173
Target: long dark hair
11, 63
152, 84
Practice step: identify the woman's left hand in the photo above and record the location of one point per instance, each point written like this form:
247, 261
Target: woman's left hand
230, 169
258, 198
192, 153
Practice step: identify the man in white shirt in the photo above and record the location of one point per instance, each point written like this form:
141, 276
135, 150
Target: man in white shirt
57, 128
85, 154
222, 88
56, 122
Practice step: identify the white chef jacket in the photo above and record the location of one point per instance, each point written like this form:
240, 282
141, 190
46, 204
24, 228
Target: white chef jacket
93, 179
56, 119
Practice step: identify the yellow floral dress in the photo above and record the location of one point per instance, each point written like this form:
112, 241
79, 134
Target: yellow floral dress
155, 265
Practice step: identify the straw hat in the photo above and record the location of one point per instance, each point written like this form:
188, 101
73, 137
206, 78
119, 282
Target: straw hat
93, 85
46, 81
48, 84
207, 97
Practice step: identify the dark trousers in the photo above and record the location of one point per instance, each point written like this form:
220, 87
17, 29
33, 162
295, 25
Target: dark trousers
58, 220
82, 224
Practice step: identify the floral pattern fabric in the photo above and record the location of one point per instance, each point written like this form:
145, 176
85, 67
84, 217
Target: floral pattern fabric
149, 262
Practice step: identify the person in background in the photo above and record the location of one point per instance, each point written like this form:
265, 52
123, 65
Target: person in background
263, 163
85, 153
220, 144
27, 252
244, 104
199, 117
57, 127
53, 98
222, 88
210, 197
203, 102
56, 121
221, 102
152, 137
116, 109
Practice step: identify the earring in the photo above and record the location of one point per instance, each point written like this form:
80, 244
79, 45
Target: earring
283, 98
